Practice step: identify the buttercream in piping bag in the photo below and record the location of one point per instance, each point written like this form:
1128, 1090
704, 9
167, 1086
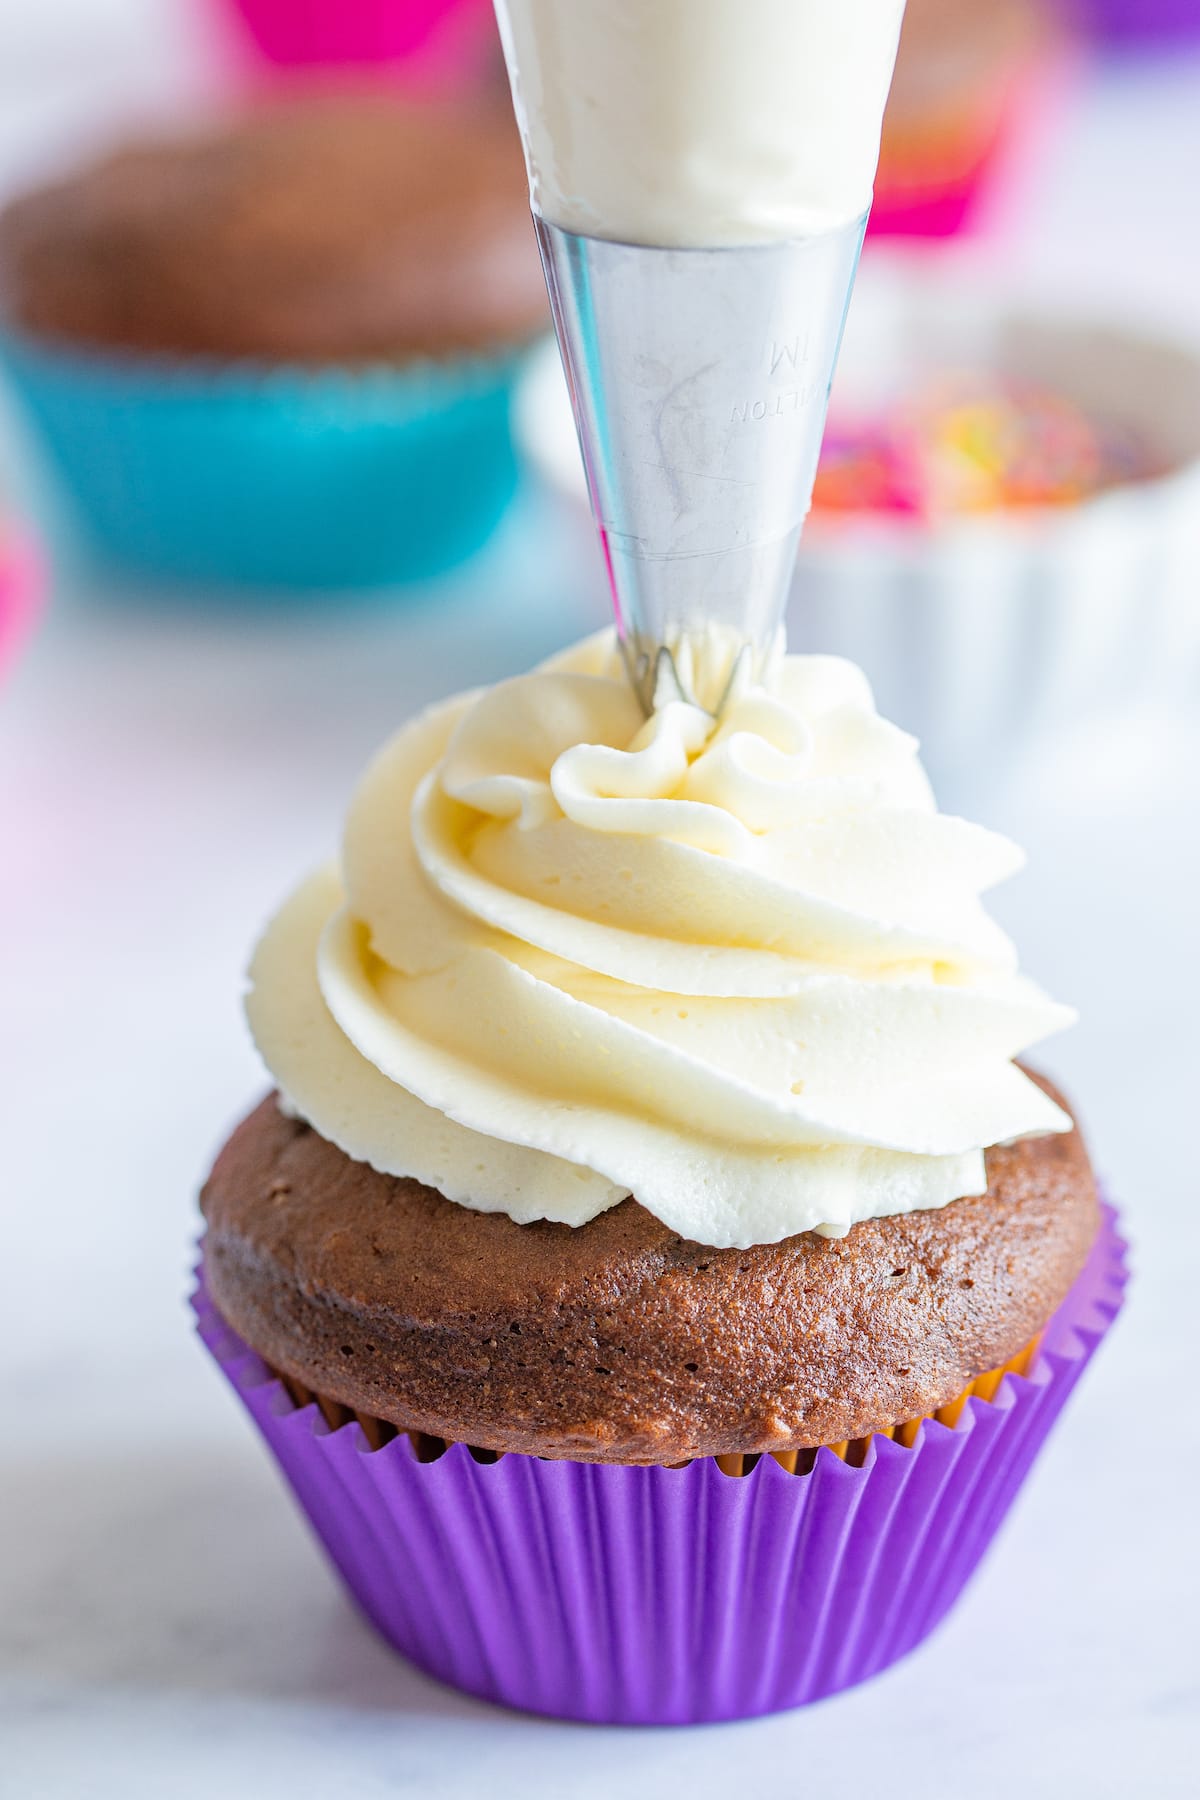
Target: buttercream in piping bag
700, 122
739, 970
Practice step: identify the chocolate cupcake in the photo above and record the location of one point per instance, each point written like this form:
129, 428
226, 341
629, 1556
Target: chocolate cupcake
646, 1099
281, 348
620, 1341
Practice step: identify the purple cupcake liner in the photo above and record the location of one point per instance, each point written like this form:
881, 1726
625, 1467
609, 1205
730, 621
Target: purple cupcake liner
662, 1596
1147, 22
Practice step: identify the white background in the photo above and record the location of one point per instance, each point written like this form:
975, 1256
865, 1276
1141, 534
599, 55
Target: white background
166, 770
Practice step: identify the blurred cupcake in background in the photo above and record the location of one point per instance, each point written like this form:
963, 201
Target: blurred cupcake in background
971, 80
280, 349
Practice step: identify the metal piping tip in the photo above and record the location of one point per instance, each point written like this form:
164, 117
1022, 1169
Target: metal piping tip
699, 381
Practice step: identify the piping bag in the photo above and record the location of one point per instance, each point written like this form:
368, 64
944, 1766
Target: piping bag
700, 177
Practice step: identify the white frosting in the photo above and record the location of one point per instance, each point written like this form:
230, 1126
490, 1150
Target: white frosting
742, 971
700, 122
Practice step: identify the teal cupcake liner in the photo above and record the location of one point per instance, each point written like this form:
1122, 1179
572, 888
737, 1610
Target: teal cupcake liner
276, 476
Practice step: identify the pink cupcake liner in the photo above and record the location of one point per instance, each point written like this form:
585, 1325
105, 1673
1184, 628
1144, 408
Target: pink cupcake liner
669, 1596
433, 41
990, 197
22, 589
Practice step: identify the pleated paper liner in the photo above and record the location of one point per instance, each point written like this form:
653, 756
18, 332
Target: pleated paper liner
671, 1596
268, 476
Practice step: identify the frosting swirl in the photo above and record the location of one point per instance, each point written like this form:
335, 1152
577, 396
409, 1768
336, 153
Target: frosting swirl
742, 971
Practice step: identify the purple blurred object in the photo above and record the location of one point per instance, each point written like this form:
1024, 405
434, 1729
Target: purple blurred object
660, 1596
1141, 21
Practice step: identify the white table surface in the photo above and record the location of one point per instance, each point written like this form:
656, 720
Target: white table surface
166, 1629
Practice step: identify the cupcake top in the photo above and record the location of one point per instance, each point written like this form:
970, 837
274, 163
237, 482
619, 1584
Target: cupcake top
315, 230
739, 968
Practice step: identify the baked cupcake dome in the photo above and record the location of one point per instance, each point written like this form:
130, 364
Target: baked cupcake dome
281, 349
619, 1341
327, 230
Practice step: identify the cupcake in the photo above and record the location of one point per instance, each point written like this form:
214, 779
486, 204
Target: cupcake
652, 1271
965, 75
281, 349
